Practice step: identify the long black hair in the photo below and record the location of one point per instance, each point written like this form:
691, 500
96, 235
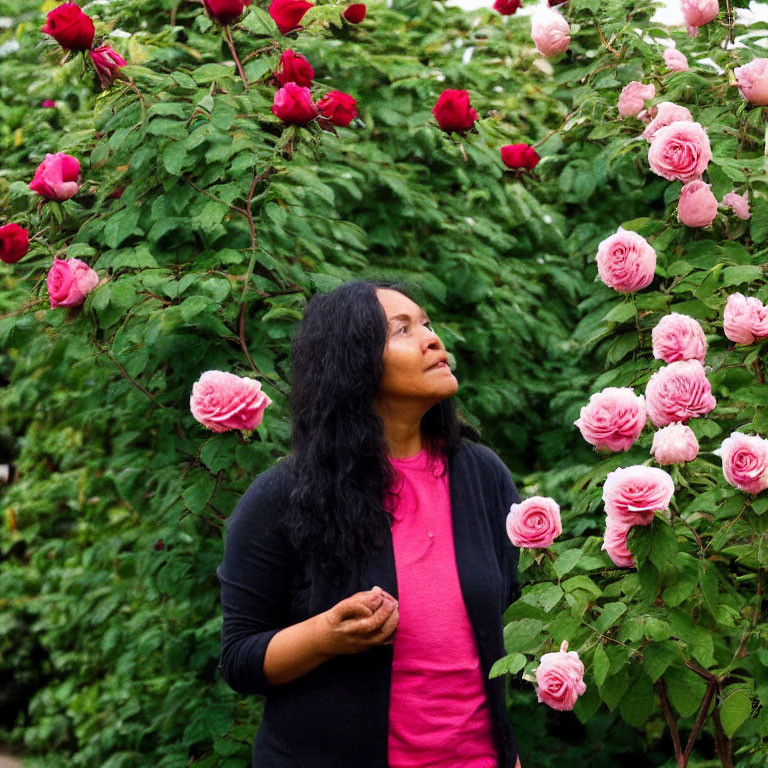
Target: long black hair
339, 459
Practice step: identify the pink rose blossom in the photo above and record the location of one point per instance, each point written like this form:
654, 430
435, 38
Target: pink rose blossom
680, 151
674, 444
560, 678
69, 281
632, 494
697, 206
678, 392
666, 113
222, 401
615, 543
625, 261
613, 419
550, 31
57, 177
106, 61
633, 96
697, 13
739, 204
675, 60
534, 523
678, 337
752, 80
49, 104
745, 461
745, 319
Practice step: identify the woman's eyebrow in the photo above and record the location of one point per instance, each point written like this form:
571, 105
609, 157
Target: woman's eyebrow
408, 317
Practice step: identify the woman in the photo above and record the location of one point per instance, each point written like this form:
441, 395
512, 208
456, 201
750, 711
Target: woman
382, 488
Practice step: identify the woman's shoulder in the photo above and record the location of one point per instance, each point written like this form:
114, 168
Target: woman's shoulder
266, 496
482, 454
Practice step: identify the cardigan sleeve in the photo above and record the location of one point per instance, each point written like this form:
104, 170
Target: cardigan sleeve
255, 576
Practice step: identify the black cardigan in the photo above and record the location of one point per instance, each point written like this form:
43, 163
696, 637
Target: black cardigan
336, 715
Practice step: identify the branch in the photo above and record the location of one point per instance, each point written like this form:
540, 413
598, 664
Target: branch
231, 42
661, 689
723, 745
128, 377
702, 716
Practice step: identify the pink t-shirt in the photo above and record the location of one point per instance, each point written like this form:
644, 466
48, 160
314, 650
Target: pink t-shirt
438, 712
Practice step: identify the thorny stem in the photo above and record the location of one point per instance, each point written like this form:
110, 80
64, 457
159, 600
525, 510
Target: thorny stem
729, 20
605, 43
702, 716
661, 689
231, 42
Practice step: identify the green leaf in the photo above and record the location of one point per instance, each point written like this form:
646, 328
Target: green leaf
637, 706
523, 636
219, 452
121, 225
567, 561
658, 656
758, 222
511, 664
614, 688
685, 689
545, 596
607, 619
600, 665
582, 582
735, 709
196, 496
745, 273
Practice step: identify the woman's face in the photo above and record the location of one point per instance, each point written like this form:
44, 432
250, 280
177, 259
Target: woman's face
411, 351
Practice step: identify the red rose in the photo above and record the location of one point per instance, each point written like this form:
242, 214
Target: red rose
14, 243
49, 104
294, 68
288, 13
106, 61
519, 156
225, 11
340, 108
508, 7
69, 27
453, 112
293, 104
355, 13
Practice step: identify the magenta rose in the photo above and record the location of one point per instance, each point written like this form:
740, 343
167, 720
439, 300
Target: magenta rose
550, 31
633, 97
48, 104
625, 261
534, 523
666, 113
223, 401
697, 13
697, 206
675, 444
615, 543
69, 281
519, 156
453, 111
680, 151
293, 104
57, 177
69, 27
14, 243
745, 319
225, 11
678, 392
506, 7
294, 68
675, 60
338, 108
354, 13
745, 461
738, 203
287, 14
613, 419
106, 61
752, 80
560, 678
678, 337
632, 494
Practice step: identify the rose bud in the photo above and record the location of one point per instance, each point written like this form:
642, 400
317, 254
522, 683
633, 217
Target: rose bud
57, 177
116, 193
287, 14
752, 80
678, 392
225, 11
69, 27
340, 108
745, 320
739, 204
48, 104
675, 61
666, 113
294, 68
697, 13
675, 444
69, 281
506, 7
293, 104
697, 206
613, 419
615, 543
354, 13
534, 523
633, 96
222, 401
106, 61
678, 337
14, 243
519, 156
452, 111
632, 494
560, 678
745, 461
625, 261
550, 31
680, 151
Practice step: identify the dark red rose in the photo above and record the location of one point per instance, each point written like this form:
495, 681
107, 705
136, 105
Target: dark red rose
293, 104
14, 243
69, 27
106, 61
519, 156
287, 14
508, 7
355, 13
294, 68
225, 11
117, 193
453, 112
557, 2
340, 108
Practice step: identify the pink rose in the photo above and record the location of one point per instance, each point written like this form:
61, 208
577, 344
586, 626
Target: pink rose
739, 204
678, 337
48, 104
293, 104
632, 494
680, 151
745, 461
752, 80
633, 96
559, 678
69, 281
534, 523
678, 392
550, 31
222, 401
106, 61
57, 177
615, 543
625, 261
697, 206
675, 444
666, 113
745, 320
675, 61
697, 13
613, 419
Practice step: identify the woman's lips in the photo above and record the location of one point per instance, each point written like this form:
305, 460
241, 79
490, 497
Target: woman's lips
438, 366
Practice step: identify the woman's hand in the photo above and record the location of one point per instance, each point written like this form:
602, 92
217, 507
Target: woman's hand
359, 622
